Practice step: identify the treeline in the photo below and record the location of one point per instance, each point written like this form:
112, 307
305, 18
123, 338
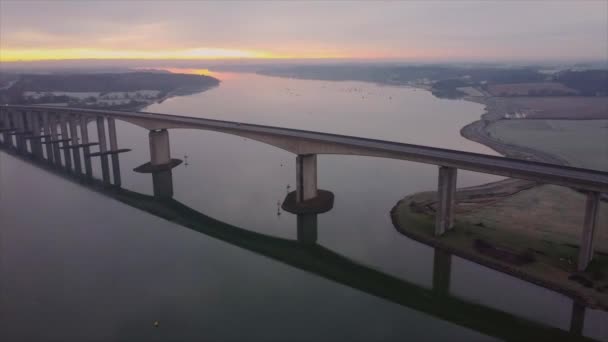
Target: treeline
165, 82
403, 74
446, 79
587, 82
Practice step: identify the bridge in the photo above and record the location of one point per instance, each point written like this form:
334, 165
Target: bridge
306, 254
45, 132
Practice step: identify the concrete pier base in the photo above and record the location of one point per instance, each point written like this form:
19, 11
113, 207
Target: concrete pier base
324, 202
446, 192
160, 154
307, 199
160, 164
21, 130
585, 254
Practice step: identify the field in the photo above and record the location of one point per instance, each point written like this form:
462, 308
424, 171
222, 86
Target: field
583, 143
533, 235
568, 107
530, 89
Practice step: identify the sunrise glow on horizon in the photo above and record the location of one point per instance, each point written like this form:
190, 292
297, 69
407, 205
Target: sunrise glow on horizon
60, 30
25, 55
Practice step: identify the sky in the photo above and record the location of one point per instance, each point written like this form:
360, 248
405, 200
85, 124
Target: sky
392, 30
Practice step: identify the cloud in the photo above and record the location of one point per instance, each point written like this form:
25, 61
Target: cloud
405, 29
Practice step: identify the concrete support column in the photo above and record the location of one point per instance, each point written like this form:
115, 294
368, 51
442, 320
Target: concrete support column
160, 152
27, 130
53, 126
442, 269
35, 140
84, 132
160, 164
65, 134
46, 128
101, 134
114, 147
585, 254
307, 198
306, 177
21, 124
74, 141
446, 193
307, 228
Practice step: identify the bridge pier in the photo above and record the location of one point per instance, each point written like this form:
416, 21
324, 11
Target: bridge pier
54, 127
585, 254
307, 198
19, 135
101, 136
73, 143
306, 177
32, 125
6, 127
84, 132
446, 193
46, 129
442, 269
307, 228
65, 143
35, 138
160, 164
114, 147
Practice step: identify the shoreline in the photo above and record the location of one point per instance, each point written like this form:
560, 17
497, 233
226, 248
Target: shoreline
418, 210
174, 93
477, 131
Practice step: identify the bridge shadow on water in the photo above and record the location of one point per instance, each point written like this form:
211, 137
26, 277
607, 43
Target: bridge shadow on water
304, 253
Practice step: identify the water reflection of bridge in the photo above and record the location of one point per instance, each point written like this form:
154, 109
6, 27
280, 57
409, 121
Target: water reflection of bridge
26, 140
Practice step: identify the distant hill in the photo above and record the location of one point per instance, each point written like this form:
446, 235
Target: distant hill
129, 90
586, 82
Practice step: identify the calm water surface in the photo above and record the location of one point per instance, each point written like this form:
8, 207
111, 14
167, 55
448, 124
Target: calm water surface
76, 265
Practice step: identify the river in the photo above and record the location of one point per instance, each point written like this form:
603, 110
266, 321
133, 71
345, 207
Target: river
76, 265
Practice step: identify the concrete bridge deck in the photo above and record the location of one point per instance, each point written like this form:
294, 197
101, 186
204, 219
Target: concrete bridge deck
306, 142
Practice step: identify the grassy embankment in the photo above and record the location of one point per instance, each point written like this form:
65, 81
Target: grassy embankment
528, 230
